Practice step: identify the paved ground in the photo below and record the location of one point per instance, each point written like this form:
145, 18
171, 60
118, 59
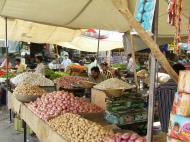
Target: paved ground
7, 132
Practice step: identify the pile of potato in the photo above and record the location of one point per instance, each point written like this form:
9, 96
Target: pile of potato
67, 81
27, 89
53, 104
77, 129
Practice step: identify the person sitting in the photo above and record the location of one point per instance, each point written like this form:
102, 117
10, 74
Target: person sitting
19, 66
96, 76
40, 67
105, 71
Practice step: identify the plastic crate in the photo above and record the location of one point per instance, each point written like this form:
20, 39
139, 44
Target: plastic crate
126, 118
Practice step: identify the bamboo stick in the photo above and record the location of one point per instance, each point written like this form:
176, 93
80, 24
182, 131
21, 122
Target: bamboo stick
122, 6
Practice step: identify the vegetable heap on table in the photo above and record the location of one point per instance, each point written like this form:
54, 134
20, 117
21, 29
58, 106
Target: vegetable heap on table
54, 74
126, 137
2, 73
53, 104
27, 89
32, 78
67, 81
77, 129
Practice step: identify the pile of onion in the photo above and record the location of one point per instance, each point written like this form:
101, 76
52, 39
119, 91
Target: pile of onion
67, 81
53, 104
126, 137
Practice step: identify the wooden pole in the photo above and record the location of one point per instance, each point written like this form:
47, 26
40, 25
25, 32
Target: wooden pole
122, 6
134, 60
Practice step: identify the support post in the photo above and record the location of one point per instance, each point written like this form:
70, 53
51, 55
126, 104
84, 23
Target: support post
10, 115
7, 54
153, 73
98, 48
25, 130
122, 6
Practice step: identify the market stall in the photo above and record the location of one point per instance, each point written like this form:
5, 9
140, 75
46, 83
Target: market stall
119, 9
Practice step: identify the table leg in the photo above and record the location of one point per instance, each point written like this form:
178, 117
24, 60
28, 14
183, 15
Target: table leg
25, 131
10, 115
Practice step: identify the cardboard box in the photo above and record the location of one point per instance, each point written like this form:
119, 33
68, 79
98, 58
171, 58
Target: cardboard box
98, 97
183, 83
181, 104
179, 127
173, 140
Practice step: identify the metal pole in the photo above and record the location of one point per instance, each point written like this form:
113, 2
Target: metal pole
98, 49
7, 64
152, 80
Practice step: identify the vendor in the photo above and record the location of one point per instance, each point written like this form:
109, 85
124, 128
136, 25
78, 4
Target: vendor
40, 67
105, 71
96, 76
66, 62
19, 66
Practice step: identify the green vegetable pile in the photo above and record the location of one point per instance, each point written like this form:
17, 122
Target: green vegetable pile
8, 76
121, 66
54, 74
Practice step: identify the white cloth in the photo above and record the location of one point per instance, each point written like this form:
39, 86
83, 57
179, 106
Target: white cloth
130, 66
66, 63
91, 65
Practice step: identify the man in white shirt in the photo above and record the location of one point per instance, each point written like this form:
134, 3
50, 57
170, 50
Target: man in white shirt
66, 62
92, 64
130, 65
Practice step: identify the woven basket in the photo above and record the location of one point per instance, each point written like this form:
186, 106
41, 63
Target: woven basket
113, 92
26, 98
87, 84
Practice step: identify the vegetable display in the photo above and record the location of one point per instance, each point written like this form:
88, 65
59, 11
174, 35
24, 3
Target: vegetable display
32, 78
126, 137
67, 81
77, 129
53, 104
54, 75
2, 73
108, 84
27, 89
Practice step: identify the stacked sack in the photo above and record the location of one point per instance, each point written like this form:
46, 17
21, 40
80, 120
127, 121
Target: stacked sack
179, 127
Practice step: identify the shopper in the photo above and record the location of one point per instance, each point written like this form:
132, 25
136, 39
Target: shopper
19, 66
105, 70
40, 67
166, 93
96, 76
130, 66
66, 61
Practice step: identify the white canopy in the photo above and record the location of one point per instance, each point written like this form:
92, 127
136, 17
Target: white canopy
89, 42
99, 14
19, 30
